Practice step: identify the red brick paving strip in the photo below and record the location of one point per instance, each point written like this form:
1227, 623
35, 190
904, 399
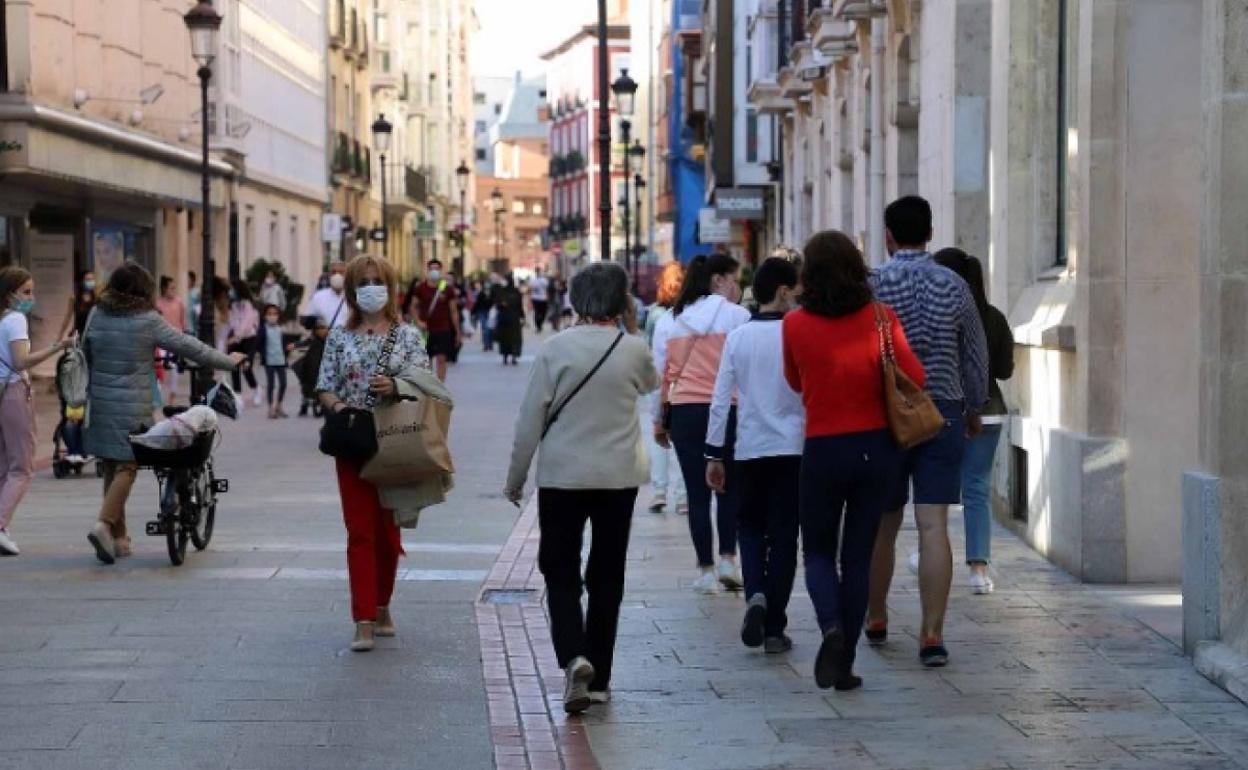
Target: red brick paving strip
523, 681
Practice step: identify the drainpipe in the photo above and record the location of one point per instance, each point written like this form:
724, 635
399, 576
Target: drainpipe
876, 251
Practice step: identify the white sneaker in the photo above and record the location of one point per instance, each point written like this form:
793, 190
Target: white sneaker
258, 399
576, 697
7, 546
981, 584
682, 507
658, 503
729, 574
706, 583
914, 562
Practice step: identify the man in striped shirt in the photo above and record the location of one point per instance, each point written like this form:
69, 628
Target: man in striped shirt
943, 327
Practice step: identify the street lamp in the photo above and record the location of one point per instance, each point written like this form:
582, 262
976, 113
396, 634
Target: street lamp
625, 89
461, 177
496, 203
382, 130
639, 184
203, 22
630, 152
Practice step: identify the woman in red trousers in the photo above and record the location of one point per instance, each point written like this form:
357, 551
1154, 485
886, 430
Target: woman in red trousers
352, 378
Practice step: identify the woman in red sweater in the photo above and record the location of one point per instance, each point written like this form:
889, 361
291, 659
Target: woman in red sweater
832, 356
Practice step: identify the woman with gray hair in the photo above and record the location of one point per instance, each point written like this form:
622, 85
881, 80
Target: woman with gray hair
580, 417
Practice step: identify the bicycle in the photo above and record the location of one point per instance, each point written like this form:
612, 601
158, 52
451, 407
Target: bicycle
187, 482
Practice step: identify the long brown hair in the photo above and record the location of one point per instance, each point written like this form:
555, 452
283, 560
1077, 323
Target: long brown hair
130, 289
356, 271
834, 276
12, 279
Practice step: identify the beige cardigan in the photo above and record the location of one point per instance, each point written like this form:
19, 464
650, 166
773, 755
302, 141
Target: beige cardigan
408, 501
596, 442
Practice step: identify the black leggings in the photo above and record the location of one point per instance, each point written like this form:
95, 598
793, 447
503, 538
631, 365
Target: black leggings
246, 346
276, 375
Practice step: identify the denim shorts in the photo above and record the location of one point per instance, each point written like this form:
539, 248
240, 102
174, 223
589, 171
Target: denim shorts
934, 468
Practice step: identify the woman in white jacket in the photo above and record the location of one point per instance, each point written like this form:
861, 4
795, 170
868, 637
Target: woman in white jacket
688, 346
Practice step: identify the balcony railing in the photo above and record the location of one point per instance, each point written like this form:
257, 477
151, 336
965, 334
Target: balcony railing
342, 155
415, 185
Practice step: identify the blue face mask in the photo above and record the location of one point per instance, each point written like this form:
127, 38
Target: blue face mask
24, 306
88, 285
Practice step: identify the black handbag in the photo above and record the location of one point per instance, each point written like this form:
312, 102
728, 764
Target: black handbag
351, 434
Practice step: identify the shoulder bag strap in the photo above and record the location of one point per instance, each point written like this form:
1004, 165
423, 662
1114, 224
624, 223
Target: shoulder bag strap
341, 302
384, 360
550, 421
884, 328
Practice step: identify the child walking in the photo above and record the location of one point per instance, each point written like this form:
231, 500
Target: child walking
770, 432
273, 352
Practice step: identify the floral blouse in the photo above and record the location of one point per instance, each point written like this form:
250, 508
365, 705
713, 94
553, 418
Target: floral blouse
351, 361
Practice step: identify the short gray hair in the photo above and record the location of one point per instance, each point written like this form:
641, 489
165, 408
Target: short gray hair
600, 291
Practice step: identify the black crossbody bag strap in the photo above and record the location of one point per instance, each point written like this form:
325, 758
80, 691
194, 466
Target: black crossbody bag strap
550, 421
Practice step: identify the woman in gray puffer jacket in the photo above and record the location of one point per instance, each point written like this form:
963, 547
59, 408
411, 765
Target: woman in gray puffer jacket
120, 341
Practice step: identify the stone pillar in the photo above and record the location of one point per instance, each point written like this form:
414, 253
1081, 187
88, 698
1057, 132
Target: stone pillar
1216, 605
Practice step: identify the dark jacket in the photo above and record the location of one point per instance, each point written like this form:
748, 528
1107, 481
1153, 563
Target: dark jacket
120, 346
1000, 358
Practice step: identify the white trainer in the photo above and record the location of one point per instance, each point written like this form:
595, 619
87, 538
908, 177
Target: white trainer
576, 697
258, 399
729, 574
658, 504
7, 546
914, 562
981, 584
706, 583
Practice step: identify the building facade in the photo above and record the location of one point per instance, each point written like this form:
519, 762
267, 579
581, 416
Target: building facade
488, 95
270, 90
573, 104
350, 115
99, 147
512, 201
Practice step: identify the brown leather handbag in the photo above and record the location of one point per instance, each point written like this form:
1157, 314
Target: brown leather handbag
913, 417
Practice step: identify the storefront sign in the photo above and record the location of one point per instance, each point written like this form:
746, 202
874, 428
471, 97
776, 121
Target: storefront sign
741, 203
331, 227
712, 229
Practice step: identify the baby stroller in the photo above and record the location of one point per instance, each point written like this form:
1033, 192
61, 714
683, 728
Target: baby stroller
68, 452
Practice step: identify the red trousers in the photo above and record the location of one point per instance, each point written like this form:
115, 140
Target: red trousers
373, 543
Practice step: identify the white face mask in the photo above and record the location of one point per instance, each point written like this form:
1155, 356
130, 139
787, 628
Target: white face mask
372, 299
337, 281
434, 275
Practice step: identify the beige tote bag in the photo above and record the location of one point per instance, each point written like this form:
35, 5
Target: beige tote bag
411, 442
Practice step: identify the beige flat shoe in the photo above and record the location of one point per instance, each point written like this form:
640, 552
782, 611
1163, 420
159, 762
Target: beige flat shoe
122, 547
385, 623
363, 641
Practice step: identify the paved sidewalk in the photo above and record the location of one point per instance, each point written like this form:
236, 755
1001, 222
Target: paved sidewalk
238, 659
1046, 673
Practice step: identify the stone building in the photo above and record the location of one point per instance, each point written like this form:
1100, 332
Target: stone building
1087, 153
512, 201
99, 146
270, 87
350, 113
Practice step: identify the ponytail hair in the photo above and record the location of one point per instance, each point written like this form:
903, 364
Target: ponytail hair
698, 278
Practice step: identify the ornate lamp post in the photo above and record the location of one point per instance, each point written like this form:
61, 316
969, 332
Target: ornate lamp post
625, 90
204, 23
461, 176
636, 151
639, 249
382, 130
496, 204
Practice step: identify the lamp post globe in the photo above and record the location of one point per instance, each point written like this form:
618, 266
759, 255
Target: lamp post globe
382, 132
204, 24
625, 90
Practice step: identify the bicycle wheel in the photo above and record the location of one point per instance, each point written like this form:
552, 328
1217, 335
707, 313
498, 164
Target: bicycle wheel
206, 508
176, 535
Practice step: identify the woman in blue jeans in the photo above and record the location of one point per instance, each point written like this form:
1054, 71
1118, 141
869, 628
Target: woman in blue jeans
977, 463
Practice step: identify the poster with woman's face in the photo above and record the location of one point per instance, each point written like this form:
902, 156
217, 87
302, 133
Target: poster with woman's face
108, 251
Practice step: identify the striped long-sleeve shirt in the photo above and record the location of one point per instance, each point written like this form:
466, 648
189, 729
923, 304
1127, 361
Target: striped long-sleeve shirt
941, 323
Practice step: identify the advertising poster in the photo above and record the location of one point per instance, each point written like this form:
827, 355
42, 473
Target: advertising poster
108, 251
52, 266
